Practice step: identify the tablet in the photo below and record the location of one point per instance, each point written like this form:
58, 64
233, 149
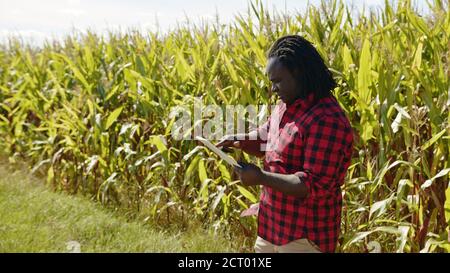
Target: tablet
217, 151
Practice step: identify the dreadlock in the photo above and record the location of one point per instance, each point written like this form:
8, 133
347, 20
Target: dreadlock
298, 54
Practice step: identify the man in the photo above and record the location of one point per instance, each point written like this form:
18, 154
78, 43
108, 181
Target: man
307, 157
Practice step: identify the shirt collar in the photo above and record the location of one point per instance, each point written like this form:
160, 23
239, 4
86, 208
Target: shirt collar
300, 104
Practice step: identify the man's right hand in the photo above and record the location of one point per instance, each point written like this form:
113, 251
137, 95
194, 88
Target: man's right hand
229, 141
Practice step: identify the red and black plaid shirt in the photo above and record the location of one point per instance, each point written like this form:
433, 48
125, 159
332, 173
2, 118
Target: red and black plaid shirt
314, 141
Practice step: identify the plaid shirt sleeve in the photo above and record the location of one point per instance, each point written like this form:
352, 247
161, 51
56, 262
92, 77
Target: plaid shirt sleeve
325, 147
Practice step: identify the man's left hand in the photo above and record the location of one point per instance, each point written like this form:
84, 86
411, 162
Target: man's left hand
249, 174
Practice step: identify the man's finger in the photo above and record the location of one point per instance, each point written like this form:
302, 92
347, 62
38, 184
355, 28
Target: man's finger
223, 143
242, 164
226, 150
219, 144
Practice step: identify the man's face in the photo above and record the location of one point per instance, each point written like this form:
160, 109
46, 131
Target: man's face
283, 82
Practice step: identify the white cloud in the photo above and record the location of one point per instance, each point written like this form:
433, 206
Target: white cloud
16, 12
56, 17
73, 12
74, 2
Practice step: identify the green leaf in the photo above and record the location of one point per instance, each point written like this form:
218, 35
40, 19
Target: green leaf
75, 70
364, 75
429, 182
417, 62
89, 59
447, 205
218, 198
159, 142
404, 230
91, 162
190, 172
202, 171
432, 140
50, 175
361, 235
224, 172
347, 57
379, 207
247, 194
417, 22
140, 66
113, 117
232, 72
204, 192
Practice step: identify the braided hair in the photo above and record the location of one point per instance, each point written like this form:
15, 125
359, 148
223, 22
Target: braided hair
305, 63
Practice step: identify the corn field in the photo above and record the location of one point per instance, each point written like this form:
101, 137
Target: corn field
91, 114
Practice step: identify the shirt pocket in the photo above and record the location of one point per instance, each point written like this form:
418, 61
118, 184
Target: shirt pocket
288, 141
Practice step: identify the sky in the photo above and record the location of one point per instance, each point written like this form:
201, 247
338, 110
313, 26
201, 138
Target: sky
37, 20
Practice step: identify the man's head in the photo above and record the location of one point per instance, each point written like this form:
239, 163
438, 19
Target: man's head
296, 70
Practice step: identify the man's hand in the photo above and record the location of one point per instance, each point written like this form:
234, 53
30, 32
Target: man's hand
228, 141
249, 174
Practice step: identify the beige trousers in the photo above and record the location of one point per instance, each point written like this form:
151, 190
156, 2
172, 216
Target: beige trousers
298, 246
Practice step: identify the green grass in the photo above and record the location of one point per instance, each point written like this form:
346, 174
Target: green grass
34, 219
